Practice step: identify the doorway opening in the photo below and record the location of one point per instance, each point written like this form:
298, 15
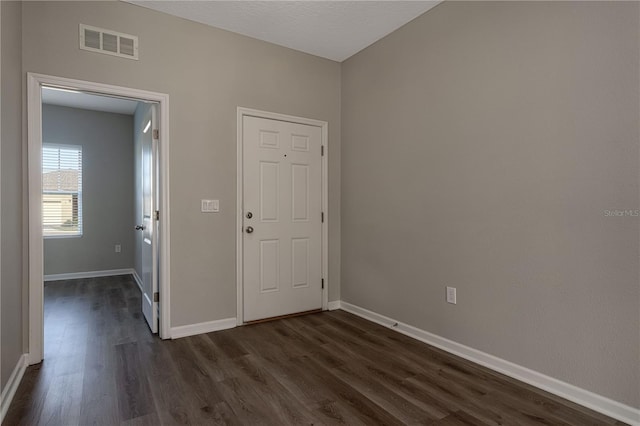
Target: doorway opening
77, 206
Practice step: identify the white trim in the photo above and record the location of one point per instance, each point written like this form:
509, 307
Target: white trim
333, 305
203, 327
36, 250
324, 126
557, 387
164, 273
34, 147
137, 279
2, 399
239, 220
327, 217
11, 387
88, 274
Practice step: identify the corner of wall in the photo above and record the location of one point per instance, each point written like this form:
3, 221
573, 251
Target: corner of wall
9, 391
11, 143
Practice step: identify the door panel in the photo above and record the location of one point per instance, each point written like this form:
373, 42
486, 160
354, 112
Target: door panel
269, 189
282, 189
299, 192
149, 223
300, 262
269, 265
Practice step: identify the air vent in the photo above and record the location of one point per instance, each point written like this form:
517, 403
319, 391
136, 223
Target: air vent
108, 42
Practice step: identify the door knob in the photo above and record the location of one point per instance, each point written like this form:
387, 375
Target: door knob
249, 229
249, 215
139, 228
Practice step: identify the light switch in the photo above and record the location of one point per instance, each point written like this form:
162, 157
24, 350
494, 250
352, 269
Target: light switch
209, 206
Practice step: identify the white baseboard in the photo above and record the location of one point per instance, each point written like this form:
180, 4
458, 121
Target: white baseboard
565, 390
11, 387
332, 306
88, 274
203, 327
137, 279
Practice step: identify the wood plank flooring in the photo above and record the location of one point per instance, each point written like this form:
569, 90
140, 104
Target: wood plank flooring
103, 367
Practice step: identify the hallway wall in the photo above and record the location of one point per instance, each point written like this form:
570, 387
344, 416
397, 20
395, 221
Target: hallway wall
107, 190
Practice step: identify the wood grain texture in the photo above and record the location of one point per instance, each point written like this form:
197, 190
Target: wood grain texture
103, 367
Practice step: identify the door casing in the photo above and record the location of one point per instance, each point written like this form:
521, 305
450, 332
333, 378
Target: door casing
36, 249
324, 126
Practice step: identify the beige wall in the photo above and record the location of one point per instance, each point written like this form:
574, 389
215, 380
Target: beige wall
11, 284
207, 74
482, 143
107, 190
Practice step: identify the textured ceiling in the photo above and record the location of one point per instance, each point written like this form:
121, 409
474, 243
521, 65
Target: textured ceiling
331, 29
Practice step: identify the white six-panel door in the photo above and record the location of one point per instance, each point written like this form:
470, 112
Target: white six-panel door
149, 225
282, 228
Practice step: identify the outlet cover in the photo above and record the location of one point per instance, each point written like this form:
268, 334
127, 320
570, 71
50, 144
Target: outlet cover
118, 248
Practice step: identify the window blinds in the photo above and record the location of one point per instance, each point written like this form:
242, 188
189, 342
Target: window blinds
61, 190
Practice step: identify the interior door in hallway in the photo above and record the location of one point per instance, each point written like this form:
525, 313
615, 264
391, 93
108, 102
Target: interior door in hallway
282, 228
148, 225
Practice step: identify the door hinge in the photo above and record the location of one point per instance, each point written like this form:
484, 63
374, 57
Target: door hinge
322, 217
156, 134
322, 283
322, 150
156, 297
157, 215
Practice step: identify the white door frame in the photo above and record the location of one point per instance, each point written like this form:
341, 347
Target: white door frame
324, 126
36, 246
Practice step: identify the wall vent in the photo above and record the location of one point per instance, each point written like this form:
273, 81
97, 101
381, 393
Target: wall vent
108, 42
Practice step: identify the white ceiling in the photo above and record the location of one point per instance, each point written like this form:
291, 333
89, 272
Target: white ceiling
80, 100
331, 29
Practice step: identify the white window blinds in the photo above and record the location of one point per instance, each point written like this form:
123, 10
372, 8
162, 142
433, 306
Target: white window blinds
61, 190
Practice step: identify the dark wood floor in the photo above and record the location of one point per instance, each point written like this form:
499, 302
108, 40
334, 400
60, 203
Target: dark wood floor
102, 366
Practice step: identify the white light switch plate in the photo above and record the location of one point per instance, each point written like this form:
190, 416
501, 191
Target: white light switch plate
451, 295
209, 206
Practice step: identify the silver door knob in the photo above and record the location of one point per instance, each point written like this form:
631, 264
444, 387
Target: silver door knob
139, 228
249, 229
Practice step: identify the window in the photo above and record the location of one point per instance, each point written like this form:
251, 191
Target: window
61, 190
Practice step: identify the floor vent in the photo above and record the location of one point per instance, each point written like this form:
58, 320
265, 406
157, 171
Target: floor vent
108, 42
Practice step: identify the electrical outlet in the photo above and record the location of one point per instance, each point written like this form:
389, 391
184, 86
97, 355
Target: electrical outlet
451, 295
118, 248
